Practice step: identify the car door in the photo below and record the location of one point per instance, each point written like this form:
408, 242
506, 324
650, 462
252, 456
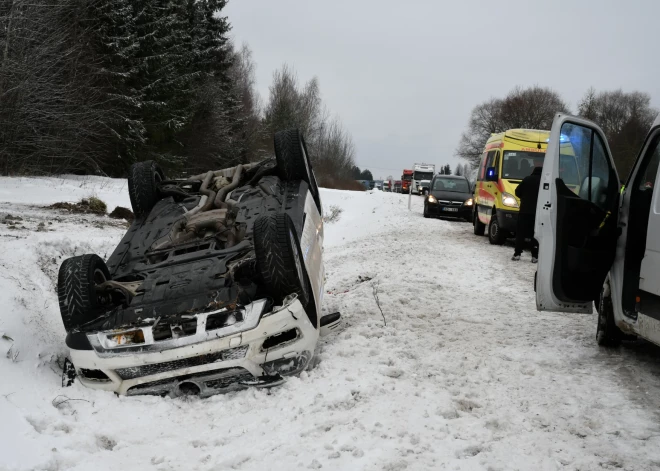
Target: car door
576, 232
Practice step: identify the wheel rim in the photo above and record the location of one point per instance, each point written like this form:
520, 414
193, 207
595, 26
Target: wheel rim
493, 229
99, 277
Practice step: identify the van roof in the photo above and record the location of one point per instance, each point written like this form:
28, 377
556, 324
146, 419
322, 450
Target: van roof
527, 135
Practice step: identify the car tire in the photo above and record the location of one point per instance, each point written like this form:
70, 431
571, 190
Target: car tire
496, 235
78, 297
607, 333
293, 160
425, 192
426, 211
478, 227
279, 258
143, 179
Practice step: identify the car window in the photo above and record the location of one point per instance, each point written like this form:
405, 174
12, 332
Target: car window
451, 184
586, 149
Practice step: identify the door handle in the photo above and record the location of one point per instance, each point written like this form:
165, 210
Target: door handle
547, 205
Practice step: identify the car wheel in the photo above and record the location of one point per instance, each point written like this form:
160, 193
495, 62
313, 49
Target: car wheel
293, 161
607, 333
425, 192
143, 179
478, 227
279, 258
496, 234
78, 296
426, 210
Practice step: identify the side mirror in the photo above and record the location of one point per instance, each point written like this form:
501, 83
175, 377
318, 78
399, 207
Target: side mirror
491, 174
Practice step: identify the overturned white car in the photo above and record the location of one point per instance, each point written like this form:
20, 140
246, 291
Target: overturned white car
217, 284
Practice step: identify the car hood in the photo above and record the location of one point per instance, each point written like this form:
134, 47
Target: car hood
450, 195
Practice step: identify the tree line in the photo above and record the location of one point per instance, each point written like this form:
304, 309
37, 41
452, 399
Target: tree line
92, 86
625, 118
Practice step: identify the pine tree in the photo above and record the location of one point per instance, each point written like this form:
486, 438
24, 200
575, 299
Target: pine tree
117, 44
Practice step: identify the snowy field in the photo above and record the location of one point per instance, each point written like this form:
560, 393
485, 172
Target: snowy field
466, 375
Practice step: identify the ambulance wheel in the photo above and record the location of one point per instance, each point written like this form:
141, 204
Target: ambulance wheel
496, 235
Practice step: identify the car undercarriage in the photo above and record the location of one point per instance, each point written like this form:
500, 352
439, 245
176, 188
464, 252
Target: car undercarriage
217, 283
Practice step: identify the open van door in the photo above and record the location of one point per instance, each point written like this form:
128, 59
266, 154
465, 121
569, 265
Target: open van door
576, 228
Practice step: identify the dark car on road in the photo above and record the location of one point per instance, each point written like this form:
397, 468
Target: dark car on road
449, 197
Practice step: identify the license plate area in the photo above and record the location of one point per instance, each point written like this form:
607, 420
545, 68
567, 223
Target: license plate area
451, 210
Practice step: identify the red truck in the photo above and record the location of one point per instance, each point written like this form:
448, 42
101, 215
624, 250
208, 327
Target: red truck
406, 178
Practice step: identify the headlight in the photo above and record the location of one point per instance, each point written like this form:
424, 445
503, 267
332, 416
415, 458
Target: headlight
127, 338
468, 202
432, 199
509, 200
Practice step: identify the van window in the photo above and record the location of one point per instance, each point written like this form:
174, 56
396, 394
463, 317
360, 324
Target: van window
491, 158
496, 164
592, 164
646, 178
568, 170
482, 167
517, 165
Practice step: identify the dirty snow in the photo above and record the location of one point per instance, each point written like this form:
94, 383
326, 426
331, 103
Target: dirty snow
466, 375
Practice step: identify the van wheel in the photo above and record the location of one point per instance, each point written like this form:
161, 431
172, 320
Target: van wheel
496, 235
478, 226
607, 333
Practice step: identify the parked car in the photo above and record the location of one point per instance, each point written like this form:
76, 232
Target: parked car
217, 284
598, 244
449, 196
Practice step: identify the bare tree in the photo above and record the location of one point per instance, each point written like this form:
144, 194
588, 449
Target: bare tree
52, 115
531, 108
625, 119
253, 135
330, 146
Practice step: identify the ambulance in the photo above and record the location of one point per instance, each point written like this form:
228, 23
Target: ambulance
508, 157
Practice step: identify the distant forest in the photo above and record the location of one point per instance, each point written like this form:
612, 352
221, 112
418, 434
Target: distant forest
92, 86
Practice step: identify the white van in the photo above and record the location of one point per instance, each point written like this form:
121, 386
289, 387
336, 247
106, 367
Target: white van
596, 243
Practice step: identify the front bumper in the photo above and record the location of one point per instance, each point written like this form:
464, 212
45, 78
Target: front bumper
507, 219
258, 350
449, 211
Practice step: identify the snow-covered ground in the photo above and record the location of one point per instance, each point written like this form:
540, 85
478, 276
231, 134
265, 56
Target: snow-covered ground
465, 375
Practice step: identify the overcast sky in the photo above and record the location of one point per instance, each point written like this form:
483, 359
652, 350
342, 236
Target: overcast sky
403, 76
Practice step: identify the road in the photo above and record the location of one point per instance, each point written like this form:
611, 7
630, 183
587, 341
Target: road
458, 372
